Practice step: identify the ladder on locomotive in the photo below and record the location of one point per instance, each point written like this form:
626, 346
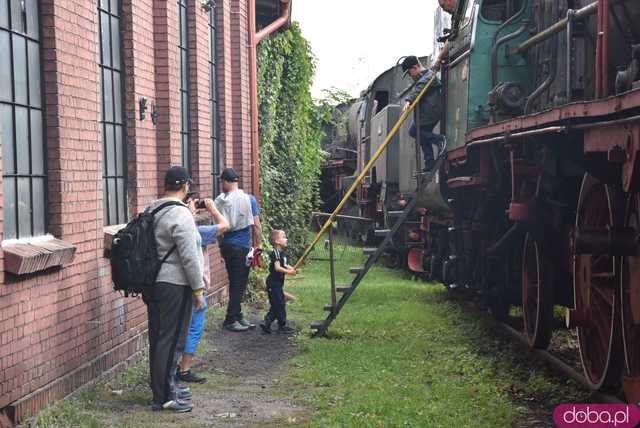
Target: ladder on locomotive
374, 254
336, 306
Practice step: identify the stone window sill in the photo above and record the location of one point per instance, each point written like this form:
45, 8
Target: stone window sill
109, 233
25, 256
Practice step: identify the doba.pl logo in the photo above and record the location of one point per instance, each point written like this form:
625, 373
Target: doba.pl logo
596, 415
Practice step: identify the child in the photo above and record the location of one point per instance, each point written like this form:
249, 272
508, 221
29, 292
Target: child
209, 235
278, 267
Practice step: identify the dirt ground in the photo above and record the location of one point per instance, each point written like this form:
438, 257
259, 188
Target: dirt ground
244, 387
251, 392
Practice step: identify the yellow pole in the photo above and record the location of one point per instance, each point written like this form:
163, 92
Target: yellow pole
364, 171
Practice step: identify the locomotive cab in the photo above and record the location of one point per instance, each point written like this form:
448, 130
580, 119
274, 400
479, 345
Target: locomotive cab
478, 65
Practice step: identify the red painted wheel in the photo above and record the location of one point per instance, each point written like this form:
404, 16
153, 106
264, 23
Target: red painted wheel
595, 279
630, 308
537, 294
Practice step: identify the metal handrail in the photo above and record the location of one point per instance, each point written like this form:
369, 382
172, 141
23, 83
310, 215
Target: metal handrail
365, 170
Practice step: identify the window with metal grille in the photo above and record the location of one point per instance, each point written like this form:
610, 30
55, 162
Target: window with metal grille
112, 114
21, 119
183, 49
213, 103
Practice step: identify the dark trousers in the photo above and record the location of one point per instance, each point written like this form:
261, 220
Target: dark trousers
278, 310
238, 272
427, 140
169, 312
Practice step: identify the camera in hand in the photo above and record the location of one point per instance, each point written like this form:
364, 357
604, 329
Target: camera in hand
200, 204
190, 195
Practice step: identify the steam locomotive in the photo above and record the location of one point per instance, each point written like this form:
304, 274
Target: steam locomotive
537, 200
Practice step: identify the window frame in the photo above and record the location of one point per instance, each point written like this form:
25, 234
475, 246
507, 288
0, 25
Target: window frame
119, 199
213, 102
26, 36
185, 82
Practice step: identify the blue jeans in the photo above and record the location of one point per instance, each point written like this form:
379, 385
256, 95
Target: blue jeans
195, 330
427, 139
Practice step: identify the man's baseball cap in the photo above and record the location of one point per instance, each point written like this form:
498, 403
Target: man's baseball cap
408, 62
229, 175
177, 175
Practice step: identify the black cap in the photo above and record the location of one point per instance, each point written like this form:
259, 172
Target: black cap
177, 175
229, 175
409, 62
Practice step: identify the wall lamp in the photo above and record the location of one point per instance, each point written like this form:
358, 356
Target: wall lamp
207, 5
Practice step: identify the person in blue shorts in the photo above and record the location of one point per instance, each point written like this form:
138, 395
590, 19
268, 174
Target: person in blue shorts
209, 235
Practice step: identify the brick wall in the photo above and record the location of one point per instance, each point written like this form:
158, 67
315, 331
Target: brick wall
60, 329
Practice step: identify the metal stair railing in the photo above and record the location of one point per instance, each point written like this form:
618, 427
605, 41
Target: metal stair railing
347, 290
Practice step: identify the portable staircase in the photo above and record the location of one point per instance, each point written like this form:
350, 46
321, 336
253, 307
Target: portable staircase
334, 308
374, 254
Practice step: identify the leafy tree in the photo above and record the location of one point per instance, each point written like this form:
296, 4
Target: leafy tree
290, 135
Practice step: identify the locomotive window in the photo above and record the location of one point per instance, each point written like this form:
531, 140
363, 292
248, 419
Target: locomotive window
499, 10
467, 13
382, 98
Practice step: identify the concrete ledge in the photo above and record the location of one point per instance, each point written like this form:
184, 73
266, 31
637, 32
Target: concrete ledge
109, 233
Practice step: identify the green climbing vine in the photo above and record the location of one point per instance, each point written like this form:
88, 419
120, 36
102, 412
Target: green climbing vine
290, 135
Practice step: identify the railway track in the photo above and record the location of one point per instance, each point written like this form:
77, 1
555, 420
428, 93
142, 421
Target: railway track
557, 365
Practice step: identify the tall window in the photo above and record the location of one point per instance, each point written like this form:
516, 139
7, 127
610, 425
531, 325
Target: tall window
112, 120
213, 103
21, 119
184, 83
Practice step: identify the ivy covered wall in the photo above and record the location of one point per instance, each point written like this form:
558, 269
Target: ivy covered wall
290, 135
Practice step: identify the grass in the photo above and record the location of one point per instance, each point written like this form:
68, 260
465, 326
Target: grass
402, 353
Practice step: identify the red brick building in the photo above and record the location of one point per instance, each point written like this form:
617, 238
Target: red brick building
97, 99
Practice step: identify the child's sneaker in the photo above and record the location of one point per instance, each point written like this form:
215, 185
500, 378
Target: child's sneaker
265, 329
190, 376
286, 330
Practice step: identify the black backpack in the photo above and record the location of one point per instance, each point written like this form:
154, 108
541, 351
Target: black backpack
134, 254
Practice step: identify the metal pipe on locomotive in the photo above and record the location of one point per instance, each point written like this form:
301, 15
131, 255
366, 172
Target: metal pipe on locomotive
538, 201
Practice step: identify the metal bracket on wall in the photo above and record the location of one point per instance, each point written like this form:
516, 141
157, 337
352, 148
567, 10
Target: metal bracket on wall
142, 103
154, 112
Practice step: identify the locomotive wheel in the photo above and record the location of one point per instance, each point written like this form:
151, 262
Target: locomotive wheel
630, 308
595, 282
537, 294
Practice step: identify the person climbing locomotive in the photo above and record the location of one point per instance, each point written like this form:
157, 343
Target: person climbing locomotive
450, 7
428, 111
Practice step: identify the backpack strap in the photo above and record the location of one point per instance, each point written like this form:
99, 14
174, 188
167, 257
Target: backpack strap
165, 205
164, 259
153, 213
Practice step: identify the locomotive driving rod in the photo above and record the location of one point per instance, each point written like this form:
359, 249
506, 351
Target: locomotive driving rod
364, 171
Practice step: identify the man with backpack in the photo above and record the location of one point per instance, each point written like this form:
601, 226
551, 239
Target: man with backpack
179, 281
